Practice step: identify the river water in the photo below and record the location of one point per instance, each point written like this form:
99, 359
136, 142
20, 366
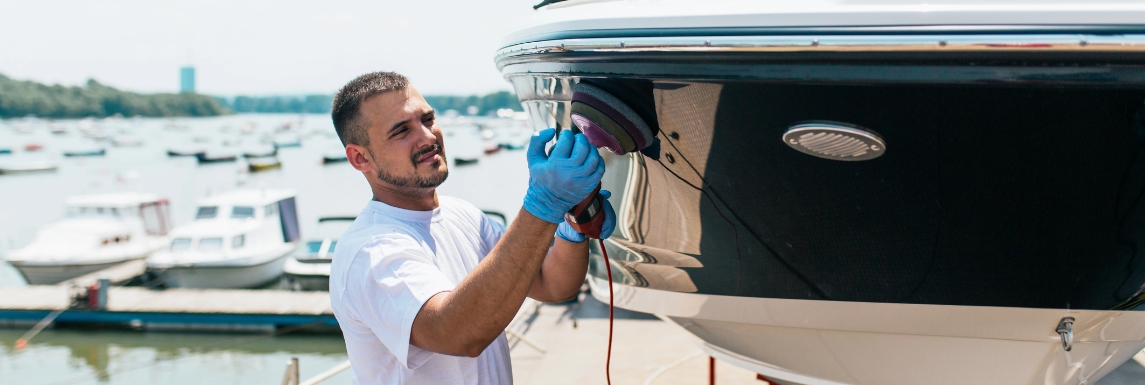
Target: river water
497, 182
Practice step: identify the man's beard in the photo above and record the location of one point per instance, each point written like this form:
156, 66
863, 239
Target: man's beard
416, 181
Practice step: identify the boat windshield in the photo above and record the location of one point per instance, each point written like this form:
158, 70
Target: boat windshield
208, 244
242, 212
315, 247
207, 212
180, 244
95, 212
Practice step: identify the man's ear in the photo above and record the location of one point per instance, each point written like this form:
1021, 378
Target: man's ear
357, 156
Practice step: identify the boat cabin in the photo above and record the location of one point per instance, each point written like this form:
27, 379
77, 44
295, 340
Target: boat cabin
150, 209
237, 219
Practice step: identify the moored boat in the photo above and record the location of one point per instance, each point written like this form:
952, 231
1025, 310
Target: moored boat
239, 239
100, 151
187, 151
263, 163
309, 267
334, 157
869, 192
208, 158
287, 139
27, 167
260, 153
98, 232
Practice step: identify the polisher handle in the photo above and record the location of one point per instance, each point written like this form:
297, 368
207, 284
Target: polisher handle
587, 217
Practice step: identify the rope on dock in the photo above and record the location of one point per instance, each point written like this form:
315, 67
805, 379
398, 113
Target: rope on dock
23, 340
327, 374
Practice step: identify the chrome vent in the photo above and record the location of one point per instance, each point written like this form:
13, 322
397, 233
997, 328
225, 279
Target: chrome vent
835, 141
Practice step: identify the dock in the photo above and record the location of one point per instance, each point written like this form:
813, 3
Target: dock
258, 311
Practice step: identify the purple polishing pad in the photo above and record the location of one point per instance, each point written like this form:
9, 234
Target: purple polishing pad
596, 135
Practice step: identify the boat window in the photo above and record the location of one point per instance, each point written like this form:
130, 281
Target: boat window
207, 212
242, 212
207, 244
313, 246
179, 244
331, 248
238, 241
270, 210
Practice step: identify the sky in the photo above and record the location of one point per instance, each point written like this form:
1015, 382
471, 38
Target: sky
258, 47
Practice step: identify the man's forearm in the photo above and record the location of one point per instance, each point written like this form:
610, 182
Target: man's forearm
562, 273
465, 320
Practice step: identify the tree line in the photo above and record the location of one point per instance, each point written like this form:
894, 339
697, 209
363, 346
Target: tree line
20, 98
320, 104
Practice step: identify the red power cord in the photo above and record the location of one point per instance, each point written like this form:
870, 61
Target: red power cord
608, 356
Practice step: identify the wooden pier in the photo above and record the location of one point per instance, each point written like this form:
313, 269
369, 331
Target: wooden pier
174, 309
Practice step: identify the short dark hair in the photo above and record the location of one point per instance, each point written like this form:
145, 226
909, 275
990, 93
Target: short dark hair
346, 109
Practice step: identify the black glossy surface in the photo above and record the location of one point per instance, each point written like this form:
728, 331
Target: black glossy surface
986, 196
1016, 184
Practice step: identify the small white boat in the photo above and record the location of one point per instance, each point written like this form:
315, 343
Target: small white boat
287, 139
309, 268
28, 167
126, 141
238, 239
98, 232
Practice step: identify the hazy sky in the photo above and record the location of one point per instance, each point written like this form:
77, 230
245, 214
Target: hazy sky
258, 47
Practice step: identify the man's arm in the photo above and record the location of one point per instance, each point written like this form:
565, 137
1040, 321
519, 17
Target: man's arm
562, 273
464, 321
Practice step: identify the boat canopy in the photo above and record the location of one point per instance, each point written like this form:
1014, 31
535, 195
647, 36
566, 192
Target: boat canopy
251, 204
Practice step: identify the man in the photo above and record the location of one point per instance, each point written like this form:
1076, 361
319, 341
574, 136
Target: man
423, 286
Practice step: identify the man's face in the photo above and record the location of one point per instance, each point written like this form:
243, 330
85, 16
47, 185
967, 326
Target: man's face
406, 147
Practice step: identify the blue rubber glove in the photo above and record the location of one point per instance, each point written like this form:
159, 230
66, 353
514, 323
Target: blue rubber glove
564, 177
566, 232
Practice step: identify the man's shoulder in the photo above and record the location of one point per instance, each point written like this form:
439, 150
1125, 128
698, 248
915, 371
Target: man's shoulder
460, 207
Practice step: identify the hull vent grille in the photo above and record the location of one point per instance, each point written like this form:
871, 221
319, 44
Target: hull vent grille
835, 141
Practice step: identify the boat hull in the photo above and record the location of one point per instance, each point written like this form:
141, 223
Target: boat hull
302, 282
51, 274
311, 275
829, 343
216, 276
1007, 197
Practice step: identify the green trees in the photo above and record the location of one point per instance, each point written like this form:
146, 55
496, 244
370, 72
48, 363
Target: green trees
310, 104
320, 104
485, 104
22, 98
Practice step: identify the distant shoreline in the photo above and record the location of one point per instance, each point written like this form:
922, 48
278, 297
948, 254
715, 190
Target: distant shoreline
23, 98
20, 98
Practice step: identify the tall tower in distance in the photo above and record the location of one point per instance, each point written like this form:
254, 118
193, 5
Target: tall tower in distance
187, 80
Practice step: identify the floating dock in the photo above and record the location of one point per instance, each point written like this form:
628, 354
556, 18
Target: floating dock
173, 309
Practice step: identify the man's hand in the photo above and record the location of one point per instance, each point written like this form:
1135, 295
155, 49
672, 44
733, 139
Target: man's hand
564, 177
566, 232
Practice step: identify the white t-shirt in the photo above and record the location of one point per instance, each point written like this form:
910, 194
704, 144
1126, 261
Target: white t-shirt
386, 265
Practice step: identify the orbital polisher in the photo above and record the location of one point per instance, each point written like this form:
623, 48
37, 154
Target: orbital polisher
607, 122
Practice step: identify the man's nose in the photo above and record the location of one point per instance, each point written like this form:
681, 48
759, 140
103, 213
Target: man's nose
427, 136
